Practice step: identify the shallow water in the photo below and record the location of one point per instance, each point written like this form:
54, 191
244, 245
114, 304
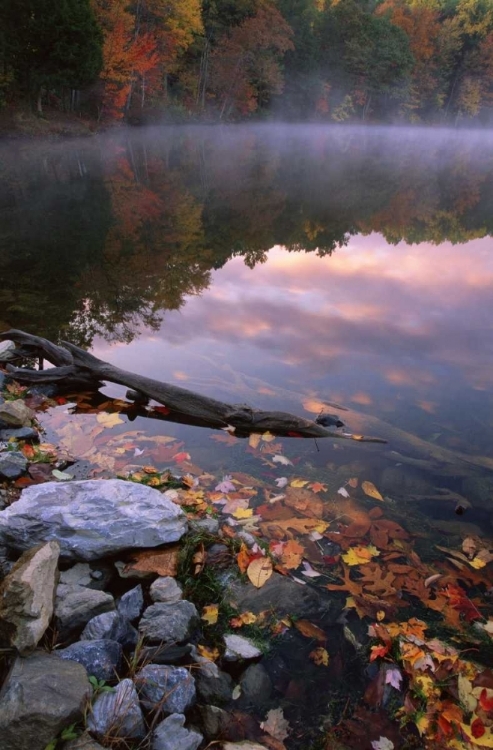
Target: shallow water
290, 268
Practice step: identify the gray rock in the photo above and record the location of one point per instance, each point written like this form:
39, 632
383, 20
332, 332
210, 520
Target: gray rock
117, 714
256, 687
19, 433
7, 351
216, 722
284, 596
110, 626
91, 518
131, 604
170, 690
77, 575
16, 413
238, 647
171, 734
101, 658
169, 623
41, 696
84, 742
210, 525
169, 654
12, 464
165, 589
213, 686
27, 597
76, 605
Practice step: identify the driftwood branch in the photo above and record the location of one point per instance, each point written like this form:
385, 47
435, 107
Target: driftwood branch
75, 367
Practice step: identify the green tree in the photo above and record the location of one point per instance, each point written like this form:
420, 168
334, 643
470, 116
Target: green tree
50, 44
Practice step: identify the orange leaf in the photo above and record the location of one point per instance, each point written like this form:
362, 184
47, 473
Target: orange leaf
377, 651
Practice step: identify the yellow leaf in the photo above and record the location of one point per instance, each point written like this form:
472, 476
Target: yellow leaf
477, 563
370, 490
109, 420
298, 483
243, 513
360, 555
246, 618
380, 615
486, 740
268, 437
254, 439
320, 657
422, 724
466, 696
208, 653
259, 571
210, 613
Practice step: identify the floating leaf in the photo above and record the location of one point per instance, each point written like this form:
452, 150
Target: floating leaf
317, 487
298, 482
370, 490
319, 656
343, 491
254, 439
309, 630
383, 744
276, 725
282, 460
259, 571
109, 420
360, 555
281, 482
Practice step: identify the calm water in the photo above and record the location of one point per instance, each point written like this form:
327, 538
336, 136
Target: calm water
285, 268
270, 264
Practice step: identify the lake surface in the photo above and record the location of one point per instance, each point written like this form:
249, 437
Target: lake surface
301, 269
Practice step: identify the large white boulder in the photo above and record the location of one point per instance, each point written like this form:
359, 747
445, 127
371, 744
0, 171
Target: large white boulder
92, 518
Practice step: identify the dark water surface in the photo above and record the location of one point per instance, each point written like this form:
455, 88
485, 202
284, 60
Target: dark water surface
283, 267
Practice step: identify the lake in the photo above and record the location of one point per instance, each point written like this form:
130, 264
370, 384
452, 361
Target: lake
310, 268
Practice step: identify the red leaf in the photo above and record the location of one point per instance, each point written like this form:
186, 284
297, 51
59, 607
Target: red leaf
485, 702
477, 728
161, 409
377, 651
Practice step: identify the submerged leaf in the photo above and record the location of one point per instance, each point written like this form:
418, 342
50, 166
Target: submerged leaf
370, 490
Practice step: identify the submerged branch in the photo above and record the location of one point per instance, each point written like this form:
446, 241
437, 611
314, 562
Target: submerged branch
74, 366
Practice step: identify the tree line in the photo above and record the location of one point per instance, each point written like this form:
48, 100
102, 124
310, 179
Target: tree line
316, 60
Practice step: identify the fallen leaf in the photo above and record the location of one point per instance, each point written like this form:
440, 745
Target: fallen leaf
298, 482
259, 571
208, 653
210, 613
276, 725
383, 744
317, 487
370, 490
309, 630
353, 482
63, 476
360, 555
291, 555
282, 460
393, 676
163, 562
343, 491
319, 656
109, 420
254, 439
243, 513
246, 618
281, 482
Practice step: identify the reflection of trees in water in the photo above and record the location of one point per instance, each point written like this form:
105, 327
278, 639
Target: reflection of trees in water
100, 238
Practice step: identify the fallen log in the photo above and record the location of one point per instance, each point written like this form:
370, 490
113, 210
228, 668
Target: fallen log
76, 368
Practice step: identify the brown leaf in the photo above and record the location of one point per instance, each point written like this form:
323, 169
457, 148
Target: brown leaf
304, 501
164, 562
309, 630
259, 571
276, 725
357, 530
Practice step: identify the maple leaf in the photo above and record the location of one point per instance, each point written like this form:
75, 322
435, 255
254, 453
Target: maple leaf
226, 485
210, 613
109, 420
319, 656
208, 653
381, 650
292, 554
360, 555
243, 513
317, 487
282, 460
393, 676
276, 725
298, 482
180, 457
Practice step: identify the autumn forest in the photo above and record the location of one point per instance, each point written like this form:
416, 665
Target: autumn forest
147, 61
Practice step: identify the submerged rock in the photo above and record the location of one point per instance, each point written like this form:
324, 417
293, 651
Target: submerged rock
171, 734
117, 714
27, 597
165, 689
41, 696
91, 518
